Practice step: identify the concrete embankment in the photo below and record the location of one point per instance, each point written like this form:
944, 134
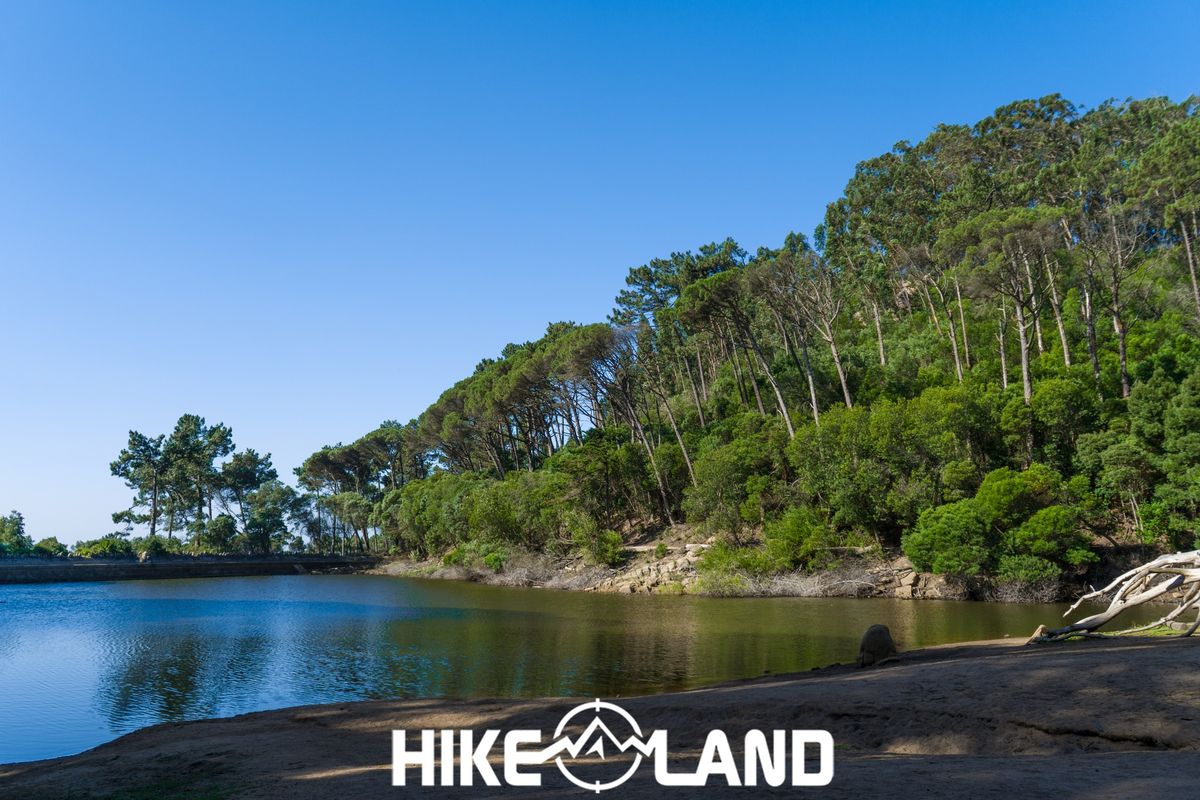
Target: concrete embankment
58, 570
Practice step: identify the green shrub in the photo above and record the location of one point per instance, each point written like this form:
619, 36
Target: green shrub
661, 550
1053, 534
799, 539
50, 546
605, 547
1027, 569
952, 539
114, 545
726, 558
494, 560
477, 554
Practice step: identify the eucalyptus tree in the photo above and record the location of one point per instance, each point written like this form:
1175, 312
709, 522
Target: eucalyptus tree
775, 279
1168, 176
720, 302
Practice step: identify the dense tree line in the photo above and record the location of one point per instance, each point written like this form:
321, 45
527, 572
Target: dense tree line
986, 355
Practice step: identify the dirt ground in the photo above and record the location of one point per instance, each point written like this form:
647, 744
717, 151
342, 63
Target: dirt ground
1094, 719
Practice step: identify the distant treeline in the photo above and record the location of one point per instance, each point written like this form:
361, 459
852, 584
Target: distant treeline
986, 356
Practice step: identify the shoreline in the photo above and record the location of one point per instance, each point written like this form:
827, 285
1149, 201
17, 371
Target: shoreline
676, 573
1102, 718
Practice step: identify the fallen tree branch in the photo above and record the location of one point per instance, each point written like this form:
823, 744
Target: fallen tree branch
1174, 572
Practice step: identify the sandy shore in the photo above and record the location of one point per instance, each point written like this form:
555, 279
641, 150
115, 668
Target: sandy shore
1091, 719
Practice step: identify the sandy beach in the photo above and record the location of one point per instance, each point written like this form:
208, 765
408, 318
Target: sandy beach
1096, 719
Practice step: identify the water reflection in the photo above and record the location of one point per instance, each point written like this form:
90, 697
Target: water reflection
83, 663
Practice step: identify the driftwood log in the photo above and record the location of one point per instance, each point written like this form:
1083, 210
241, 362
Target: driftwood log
1176, 574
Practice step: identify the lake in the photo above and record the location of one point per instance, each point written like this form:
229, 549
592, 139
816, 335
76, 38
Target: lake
83, 663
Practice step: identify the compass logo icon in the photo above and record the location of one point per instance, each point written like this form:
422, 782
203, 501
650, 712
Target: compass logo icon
608, 730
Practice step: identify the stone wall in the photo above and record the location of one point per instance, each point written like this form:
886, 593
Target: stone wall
58, 570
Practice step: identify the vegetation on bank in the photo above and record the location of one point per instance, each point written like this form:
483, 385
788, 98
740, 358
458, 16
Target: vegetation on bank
986, 357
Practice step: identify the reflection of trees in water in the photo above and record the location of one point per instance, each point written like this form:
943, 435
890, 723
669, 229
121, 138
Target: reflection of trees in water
173, 676
456, 641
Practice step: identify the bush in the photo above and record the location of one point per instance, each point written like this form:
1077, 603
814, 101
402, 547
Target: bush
951, 539
477, 555
661, 550
604, 547
1027, 569
799, 539
114, 545
1053, 534
156, 545
725, 558
50, 546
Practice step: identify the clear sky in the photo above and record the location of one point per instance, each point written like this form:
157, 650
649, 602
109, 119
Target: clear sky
303, 218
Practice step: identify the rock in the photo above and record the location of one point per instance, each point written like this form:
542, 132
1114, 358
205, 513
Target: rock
905, 592
908, 579
877, 646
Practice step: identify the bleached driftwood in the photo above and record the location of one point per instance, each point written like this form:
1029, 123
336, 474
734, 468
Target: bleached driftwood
1173, 573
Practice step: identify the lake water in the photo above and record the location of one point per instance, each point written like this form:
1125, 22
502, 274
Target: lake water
83, 663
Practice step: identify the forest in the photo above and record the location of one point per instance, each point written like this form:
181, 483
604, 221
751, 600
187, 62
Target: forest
985, 357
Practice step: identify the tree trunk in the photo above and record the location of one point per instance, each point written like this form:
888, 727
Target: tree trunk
841, 373
153, 505
695, 394
678, 436
812, 385
1122, 353
1191, 261
1056, 307
879, 334
1002, 338
958, 369
1035, 308
762, 361
962, 321
1088, 310
1023, 344
753, 379
932, 312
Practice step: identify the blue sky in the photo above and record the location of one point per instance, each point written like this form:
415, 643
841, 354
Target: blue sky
301, 219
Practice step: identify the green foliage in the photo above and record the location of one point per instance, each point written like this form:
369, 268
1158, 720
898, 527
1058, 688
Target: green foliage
953, 539
733, 484
478, 555
1014, 523
113, 545
799, 540
217, 536
599, 546
50, 547
1025, 568
13, 539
